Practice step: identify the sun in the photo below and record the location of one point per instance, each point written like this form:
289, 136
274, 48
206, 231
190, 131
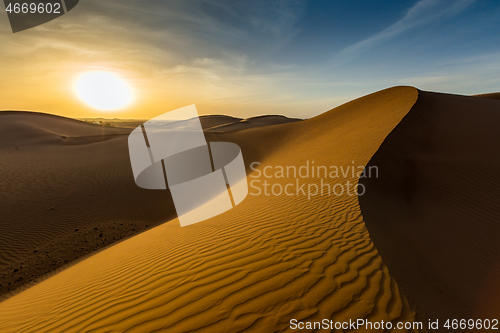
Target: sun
104, 91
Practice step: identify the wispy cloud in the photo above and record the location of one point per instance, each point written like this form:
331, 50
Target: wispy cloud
468, 75
422, 13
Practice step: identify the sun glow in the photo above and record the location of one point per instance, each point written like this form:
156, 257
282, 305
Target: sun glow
104, 91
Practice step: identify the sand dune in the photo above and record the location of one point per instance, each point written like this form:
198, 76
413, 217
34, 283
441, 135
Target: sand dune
30, 128
491, 95
250, 123
211, 123
270, 259
64, 195
206, 121
434, 211
69, 192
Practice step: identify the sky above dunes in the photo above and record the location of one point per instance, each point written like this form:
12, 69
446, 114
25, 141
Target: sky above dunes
246, 58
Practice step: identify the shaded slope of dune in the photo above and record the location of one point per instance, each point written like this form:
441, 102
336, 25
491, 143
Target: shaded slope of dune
434, 212
254, 268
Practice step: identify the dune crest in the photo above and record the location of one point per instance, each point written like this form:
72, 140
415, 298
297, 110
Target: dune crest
490, 95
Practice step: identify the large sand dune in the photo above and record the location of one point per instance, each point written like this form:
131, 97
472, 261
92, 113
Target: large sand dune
270, 259
434, 211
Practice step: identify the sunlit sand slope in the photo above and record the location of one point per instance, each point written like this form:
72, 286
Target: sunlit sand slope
434, 212
267, 261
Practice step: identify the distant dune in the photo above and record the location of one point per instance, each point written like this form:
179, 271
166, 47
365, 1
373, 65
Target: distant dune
212, 123
208, 122
253, 268
491, 95
251, 122
434, 212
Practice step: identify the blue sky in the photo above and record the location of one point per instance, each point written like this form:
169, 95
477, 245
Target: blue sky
245, 58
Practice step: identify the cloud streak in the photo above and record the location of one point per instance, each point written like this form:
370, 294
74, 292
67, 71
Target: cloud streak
422, 13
